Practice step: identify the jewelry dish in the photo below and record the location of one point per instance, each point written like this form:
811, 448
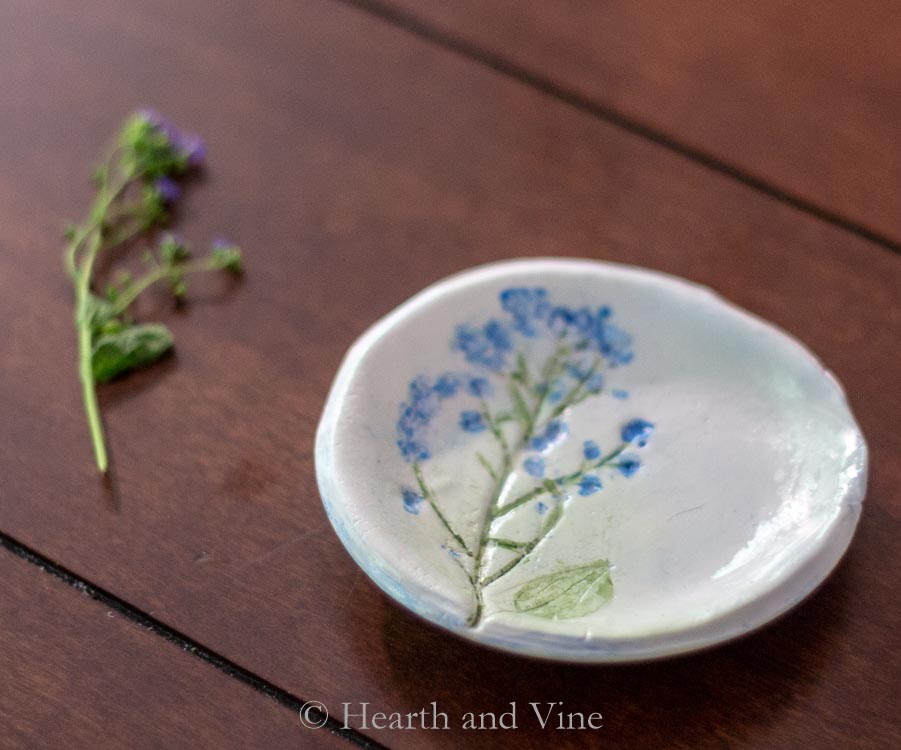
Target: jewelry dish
588, 461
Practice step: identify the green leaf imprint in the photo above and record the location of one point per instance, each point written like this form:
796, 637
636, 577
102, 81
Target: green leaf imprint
118, 352
569, 592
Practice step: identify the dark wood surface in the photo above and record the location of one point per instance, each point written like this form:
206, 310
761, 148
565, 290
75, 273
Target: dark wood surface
802, 94
76, 674
357, 162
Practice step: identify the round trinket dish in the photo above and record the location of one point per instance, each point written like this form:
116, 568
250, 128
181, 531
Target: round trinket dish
587, 461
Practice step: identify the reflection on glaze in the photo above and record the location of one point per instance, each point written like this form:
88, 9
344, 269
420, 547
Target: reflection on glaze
532, 366
799, 517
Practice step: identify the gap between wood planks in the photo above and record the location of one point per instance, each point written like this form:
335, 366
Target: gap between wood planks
470, 50
182, 641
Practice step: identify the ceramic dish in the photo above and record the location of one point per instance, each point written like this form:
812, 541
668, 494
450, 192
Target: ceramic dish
587, 461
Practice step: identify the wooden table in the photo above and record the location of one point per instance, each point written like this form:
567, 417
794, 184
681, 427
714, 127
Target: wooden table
359, 150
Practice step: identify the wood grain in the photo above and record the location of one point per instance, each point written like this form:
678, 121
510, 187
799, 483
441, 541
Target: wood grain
804, 95
357, 163
77, 675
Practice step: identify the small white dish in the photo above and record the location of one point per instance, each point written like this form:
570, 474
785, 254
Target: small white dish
588, 462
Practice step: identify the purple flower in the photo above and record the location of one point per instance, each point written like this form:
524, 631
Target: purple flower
412, 500
541, 508
628, 465
188, 145
168, 189
637, 431
472, 421
534, 465
154, 118
194, 149
589, 485
619, 394
591, 450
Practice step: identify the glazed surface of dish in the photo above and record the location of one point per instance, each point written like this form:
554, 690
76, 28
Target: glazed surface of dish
588, 461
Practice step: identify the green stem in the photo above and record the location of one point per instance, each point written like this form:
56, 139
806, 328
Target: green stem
549, 372
96, 218
503, 475
527, 548
494, 511
429, 495
127, 298
85, 352
495, 428
510, 544
576, 391
478, 566
476, 617
90, 237
561, 482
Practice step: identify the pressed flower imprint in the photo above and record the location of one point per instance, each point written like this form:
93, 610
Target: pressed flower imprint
528, 368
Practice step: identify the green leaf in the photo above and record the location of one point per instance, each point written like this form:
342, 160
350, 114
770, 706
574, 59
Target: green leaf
118, 352
574, 591
99, 312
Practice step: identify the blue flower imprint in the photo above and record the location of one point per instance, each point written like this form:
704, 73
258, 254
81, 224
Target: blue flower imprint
522, 400
472, 421
412, 500
589, 484
637, 431
590, 450
534, 465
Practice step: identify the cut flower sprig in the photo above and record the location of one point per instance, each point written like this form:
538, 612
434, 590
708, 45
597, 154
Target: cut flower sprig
137, 186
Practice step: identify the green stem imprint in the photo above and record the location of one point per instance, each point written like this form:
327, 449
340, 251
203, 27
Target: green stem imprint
429, 494
553, 486
530, 423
